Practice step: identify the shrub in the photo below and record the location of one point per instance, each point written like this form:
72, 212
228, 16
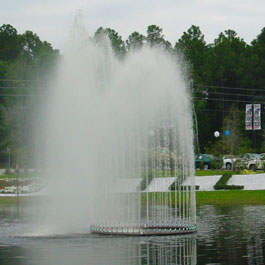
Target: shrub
147, 178
238, 165
214, 164
186, 187
245, 172
221, 183
229, 187
201, 165
197, 187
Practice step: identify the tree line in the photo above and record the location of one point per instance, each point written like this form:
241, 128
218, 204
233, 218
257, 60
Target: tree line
224, 76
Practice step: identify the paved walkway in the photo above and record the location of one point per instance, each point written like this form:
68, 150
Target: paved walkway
160, 184
206, 183
250, 182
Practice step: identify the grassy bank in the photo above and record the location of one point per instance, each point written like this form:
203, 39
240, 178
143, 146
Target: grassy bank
231, 197
208, 172
8, 200
228, 197
200, 173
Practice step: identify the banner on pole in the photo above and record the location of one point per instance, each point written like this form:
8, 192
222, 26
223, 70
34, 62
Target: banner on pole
257, 117
249, 117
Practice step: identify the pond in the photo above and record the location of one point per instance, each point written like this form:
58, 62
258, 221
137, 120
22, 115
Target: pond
226, 235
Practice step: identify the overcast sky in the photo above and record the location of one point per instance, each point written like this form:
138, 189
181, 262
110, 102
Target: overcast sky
52, 19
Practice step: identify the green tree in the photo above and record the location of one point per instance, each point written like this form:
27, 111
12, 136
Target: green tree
10, 43
228, 60
256, 78
34, 61
195, 51
156, 38
3, 69
193, 46
31, 45
232, 122
258, 61
135, 41
38, 55
116, 41
225, 65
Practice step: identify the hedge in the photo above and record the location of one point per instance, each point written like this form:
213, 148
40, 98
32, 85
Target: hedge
221, 183
182, 188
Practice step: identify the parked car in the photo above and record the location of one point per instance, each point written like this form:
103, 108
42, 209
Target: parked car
248, 160
208, 161
228, 161
258, 162
161, 157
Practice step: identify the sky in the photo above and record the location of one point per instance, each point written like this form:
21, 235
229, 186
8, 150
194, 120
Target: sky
52, 20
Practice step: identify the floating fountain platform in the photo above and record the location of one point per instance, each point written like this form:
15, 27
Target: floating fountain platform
143, 231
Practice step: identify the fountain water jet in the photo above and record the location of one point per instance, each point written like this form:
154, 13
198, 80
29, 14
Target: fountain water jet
116, 128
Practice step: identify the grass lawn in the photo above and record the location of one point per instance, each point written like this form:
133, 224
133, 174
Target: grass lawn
223, 197
7, 200
11, 200
231, 197
8, 176
21, 175
221, 172
208, 172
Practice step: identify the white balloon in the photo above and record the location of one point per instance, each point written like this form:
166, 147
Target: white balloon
151, 133
216, 134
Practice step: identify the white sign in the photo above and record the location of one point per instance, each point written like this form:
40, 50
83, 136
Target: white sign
249, 116
257, 117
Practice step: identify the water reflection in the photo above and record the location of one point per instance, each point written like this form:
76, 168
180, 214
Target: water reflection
19, 247
11, 255
231, 235
116, 250
166, 250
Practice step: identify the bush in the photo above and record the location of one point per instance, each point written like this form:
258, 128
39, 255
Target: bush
229, 187
197, 187
223, 180
201, 165
245, 172
238, 165
214, 164
221, 183
147, 178
186, 187
217, 164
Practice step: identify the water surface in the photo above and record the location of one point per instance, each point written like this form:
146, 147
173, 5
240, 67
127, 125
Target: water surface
226, 235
